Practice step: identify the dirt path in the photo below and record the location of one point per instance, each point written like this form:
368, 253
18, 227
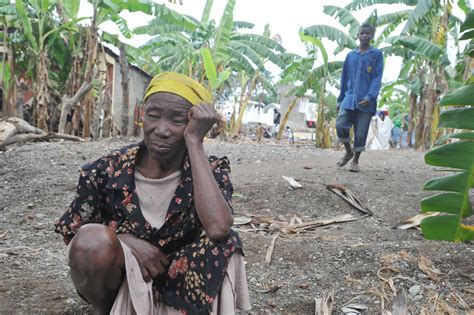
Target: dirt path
38, 182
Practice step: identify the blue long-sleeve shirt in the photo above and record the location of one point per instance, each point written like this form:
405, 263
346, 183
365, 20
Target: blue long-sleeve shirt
361, 79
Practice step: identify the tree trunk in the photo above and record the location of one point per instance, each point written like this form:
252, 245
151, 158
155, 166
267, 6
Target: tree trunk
42, 92
321, 133
68, 104
430, 101
244, 102
412, 118
124, 69
285, 117
91, 72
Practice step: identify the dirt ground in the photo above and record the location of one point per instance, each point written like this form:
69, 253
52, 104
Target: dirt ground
362, 261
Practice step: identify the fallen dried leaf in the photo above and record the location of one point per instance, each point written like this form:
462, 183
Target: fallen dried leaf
268, 257
349, 197
324, 305
293, 183
415, 221
427, 267
353, 309
241, 220
399, 304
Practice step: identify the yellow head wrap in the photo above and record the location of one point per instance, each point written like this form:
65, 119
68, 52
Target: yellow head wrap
181, 85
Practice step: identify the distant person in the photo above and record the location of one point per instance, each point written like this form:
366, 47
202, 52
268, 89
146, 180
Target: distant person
396, 133
266, 134
360, 85
228, 117
259, 133
290, 135
276, 121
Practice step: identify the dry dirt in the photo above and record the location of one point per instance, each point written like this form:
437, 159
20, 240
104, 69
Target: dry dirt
352, 259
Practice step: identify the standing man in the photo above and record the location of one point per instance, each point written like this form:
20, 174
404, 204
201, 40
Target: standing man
360, 85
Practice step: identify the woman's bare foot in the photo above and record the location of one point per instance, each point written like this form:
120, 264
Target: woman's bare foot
346, 158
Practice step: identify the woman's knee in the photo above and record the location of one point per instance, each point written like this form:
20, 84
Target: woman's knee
94, 248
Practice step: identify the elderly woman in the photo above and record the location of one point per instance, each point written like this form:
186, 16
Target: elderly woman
149, 230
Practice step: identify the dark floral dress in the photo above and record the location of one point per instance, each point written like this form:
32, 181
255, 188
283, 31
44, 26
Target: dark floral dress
106, 194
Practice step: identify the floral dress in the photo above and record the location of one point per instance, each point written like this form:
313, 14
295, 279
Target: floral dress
106, 194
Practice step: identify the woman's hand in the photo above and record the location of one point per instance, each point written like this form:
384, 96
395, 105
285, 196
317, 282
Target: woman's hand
150, 258
201, 119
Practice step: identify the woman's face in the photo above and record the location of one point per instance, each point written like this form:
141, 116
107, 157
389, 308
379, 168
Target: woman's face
166, 117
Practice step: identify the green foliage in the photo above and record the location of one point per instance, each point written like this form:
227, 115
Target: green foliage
215, 80
331, 33
344, 17
421, 10
20, 7
72, 7
459, 156
423, 47
207, 11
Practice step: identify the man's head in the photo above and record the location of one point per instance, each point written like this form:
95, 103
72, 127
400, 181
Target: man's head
365, 34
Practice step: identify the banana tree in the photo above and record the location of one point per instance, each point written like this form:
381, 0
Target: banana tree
43, 31
179, 39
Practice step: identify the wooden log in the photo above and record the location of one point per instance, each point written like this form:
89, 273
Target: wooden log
16, 130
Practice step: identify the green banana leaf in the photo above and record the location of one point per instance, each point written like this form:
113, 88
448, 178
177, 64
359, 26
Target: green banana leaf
450, 202
446, 228
215, 80
462, 96
209, 68
331, 33
457, 118
206, 12
72, 7
456, 183
421, 10
460, 157
26, 24
360, 4
469, 22
344, 17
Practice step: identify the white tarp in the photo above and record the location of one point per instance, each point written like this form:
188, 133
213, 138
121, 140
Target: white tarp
379, 133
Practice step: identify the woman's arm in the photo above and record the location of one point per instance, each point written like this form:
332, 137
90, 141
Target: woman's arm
211, 206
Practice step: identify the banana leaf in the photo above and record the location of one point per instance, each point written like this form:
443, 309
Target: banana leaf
458, 156
421, 10
446, 228
460, 97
